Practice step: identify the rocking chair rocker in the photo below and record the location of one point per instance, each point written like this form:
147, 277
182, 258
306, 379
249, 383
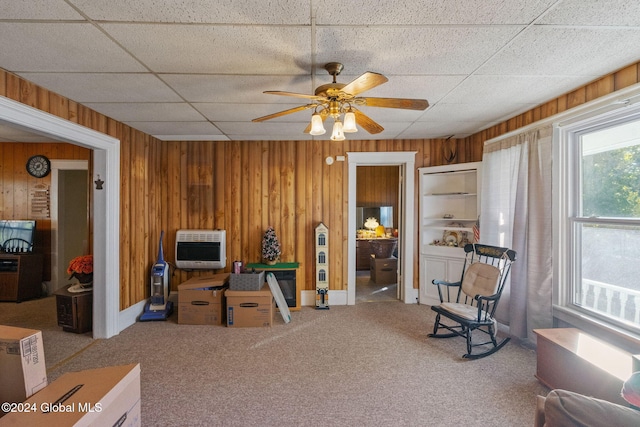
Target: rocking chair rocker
472, 302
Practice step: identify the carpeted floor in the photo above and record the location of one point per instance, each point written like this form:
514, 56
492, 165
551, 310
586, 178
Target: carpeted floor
365, 365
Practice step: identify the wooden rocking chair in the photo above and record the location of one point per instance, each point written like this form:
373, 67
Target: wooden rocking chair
472, 302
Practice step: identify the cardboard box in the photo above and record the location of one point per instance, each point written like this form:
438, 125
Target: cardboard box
201, 300
384, 271
22, 366
250, 308
97, 397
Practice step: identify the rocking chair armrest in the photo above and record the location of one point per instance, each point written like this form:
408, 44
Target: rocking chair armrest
445, 283
480, 298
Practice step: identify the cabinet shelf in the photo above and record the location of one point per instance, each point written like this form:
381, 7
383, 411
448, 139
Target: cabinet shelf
441, 227
446, 190
450, 195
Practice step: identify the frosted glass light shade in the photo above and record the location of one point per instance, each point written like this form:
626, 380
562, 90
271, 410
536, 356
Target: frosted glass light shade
317, 128
349, 122
338, 134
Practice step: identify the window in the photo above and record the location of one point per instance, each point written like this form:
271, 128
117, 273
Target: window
322, 258
600, 228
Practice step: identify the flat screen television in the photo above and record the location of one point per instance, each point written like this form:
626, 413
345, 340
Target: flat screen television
16, 236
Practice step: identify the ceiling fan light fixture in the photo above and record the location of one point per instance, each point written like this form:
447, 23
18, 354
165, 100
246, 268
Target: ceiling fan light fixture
349, 122
317, 128
338, 133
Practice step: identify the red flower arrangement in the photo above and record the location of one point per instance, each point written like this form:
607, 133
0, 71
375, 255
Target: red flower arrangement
80, 265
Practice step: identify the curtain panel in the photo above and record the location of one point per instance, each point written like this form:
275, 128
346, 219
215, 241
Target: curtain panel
515, 212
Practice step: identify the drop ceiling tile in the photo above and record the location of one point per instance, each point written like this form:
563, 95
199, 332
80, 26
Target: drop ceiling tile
193, 137
443, 112
246, 112
429, 87
237, 89
293, 130
496, 90
424, 50
434, 12
147, 112
38, 9
420, 130
386, 115
57, 47
13, 134
176, 128
105, 87
545, 50
216, 49
219, 11
594, 12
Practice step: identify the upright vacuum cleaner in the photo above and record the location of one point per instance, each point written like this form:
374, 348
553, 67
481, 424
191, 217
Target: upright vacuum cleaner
158, 307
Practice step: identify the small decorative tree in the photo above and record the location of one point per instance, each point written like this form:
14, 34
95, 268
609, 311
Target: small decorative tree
270, 246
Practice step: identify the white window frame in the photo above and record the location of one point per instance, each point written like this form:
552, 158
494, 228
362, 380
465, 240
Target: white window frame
566, 197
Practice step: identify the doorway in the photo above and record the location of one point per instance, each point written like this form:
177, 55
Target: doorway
69, 217
106, 215
405, 160
378, 205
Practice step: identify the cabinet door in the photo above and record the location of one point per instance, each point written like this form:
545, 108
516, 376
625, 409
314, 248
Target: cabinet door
454, 270
432, 268
449, 269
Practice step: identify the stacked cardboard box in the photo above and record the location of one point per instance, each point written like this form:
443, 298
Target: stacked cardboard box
250, 308
201, 300
22, 366
97, 397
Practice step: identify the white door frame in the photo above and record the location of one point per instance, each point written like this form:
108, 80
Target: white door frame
406, 161
106, 203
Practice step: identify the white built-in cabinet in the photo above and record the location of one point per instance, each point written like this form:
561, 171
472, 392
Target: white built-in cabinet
449, 208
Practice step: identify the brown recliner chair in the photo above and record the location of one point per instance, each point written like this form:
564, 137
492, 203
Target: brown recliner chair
562, 408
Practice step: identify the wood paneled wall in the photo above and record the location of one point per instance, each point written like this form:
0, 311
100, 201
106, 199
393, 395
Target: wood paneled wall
378, 186
17, 186
246, 186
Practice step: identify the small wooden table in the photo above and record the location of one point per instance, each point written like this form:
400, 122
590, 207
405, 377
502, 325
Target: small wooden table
75, 310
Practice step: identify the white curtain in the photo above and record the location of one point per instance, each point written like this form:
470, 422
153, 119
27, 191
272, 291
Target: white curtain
516, 213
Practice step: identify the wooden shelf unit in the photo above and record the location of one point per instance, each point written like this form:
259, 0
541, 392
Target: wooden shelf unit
20, 277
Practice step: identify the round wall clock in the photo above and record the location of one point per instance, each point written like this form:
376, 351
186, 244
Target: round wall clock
38, 166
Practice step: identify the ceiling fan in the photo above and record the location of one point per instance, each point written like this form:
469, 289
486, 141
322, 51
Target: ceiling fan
334, 99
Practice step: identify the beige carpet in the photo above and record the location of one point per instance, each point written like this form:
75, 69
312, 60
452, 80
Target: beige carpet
365, 365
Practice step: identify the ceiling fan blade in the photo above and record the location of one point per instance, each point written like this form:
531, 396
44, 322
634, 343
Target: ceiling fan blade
365, 82
297, 95
285, 112
366, 122
407, 104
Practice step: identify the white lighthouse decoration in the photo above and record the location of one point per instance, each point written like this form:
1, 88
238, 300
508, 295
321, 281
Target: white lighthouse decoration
322, 267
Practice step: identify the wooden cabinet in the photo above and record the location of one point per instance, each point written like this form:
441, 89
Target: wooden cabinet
20, 277
363, 254
449, 208
74, 310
